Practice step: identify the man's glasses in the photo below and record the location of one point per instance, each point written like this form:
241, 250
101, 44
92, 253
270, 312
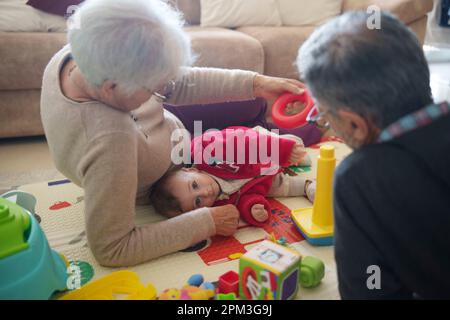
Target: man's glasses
317, 118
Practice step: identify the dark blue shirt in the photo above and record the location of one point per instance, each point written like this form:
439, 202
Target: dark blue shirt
392, 210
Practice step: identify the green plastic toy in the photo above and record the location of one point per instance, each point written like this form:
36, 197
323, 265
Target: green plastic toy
223, 296
14, 224
29, 268
312, 271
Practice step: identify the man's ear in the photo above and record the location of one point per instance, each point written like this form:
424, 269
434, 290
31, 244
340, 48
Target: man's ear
354, 125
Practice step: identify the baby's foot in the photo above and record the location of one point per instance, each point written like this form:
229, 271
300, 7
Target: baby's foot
259, 213
306, 161
310, 190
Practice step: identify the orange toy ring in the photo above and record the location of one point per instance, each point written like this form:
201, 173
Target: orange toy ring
284, 121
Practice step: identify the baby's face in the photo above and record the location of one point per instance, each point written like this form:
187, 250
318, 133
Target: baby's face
194, 189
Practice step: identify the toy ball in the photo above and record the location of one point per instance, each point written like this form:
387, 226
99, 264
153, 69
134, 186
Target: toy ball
208, 286
195, 293
285, 121
196, 280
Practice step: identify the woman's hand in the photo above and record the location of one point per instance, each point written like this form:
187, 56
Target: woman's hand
226, 219
270, 88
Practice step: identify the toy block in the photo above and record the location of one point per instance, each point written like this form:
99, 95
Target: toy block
269, 271
229, 282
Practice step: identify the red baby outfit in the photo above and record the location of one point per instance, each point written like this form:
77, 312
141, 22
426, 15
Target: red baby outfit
245, 164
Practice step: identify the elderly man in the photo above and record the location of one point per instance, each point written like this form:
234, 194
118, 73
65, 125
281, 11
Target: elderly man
392, 195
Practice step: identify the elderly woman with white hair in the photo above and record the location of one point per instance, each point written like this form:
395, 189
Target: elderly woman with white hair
102, 110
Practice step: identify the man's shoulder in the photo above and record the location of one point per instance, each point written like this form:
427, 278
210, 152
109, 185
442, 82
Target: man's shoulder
375, 160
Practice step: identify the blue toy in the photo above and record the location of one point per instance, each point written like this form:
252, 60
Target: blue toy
208, 286
195, 280
29, 269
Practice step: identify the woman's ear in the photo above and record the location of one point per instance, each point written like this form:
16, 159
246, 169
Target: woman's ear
108, 87
354, 125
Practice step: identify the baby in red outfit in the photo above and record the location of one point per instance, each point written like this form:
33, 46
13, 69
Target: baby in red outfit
245, 181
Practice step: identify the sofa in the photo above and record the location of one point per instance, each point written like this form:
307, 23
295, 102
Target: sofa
268, 50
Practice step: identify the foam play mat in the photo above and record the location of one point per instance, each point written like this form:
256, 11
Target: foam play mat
60, 206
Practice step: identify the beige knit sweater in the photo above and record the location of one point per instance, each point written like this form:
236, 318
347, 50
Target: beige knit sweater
116, 159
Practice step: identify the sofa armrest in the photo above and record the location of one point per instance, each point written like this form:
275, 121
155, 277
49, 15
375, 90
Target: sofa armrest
406, 10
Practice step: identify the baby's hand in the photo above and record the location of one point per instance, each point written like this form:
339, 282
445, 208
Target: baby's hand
297, 154
259, 213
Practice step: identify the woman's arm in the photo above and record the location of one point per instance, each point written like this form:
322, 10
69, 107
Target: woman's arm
109, 173
210, 85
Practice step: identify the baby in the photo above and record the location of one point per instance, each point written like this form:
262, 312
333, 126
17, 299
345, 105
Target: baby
216, 183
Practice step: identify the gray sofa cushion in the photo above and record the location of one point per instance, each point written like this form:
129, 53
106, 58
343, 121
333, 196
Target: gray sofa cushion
280, 46
225, 48
24, 56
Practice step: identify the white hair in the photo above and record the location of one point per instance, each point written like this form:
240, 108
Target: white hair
137, 44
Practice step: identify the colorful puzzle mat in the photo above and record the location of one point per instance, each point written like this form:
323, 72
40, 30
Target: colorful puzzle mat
60, 205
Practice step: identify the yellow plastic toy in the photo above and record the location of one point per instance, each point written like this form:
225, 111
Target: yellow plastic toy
120, 283
316, 223
187, 293
170, 294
